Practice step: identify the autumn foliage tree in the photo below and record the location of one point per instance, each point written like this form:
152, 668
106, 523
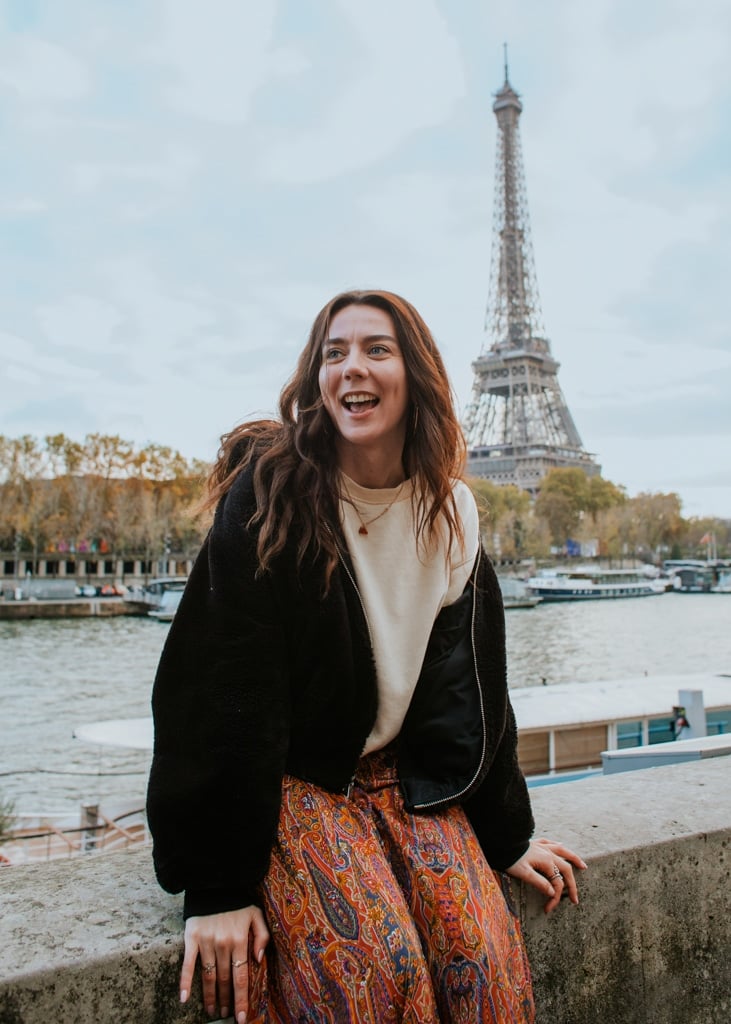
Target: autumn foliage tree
568, 496
102, 494
572, 505
506, 521
105, 494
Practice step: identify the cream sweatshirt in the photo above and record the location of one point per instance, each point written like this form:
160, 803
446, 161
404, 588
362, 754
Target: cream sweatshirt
402, 588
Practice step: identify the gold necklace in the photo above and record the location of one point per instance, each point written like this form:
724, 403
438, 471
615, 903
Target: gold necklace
365, 523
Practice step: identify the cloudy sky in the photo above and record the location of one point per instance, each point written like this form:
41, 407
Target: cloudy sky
183, 184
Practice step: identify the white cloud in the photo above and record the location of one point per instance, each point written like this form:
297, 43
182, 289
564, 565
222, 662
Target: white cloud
399, 70
175, 165
42, 71
220, 54
28, 362
402, 201
22, 206
658, 465
79, 323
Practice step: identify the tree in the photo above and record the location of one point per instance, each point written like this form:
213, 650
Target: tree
568, 495
602, 495
561, 501
658, 523
100, 494
505, 518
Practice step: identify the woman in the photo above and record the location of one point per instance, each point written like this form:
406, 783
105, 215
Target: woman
335, 752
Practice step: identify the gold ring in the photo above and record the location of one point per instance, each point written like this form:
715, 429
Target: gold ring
209, 968
239, 963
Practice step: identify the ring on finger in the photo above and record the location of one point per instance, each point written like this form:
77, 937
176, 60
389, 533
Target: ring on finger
209, 968
556, 874
239, 963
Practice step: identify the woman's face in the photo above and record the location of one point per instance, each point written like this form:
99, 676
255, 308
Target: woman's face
363, 382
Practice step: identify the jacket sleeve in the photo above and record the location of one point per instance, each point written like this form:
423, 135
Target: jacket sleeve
499, 809
221, 713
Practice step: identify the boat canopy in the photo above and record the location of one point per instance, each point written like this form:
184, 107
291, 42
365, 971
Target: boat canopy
135, 733
562, 705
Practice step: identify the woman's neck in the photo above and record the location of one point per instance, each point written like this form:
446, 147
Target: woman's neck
370, 470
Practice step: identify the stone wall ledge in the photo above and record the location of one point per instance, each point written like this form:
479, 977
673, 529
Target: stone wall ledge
94, 939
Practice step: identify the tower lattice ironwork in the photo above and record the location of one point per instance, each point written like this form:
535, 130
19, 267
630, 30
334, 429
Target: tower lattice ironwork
518, 425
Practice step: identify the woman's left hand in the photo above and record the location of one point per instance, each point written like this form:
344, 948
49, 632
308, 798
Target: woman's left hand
549, 867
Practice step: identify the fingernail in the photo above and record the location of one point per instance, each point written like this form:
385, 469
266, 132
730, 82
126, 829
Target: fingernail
241, 1019
224, 1011
260, 955
183, 995
211, 1010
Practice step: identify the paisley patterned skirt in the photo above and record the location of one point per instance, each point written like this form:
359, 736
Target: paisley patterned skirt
377, 915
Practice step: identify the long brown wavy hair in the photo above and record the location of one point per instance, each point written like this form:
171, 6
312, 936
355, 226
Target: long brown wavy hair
295, 470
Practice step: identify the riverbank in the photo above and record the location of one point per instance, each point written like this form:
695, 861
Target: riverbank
72, 608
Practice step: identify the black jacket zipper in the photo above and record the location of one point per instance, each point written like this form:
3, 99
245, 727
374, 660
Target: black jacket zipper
466, 789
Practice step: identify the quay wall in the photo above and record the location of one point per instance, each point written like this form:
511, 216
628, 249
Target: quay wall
90, 568
76, 608
94, 939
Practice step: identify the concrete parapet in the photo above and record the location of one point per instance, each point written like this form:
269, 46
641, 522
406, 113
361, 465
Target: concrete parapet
650, 942
94, 940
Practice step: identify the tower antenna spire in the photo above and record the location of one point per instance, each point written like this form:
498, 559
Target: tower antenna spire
518, 425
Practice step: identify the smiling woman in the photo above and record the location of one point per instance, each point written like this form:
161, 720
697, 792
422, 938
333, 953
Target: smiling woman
365, 391
335, 779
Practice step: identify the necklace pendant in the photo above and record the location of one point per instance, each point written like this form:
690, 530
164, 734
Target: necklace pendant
362, 531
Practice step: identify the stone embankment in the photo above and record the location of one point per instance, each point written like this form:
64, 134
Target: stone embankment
73, 608
93, 939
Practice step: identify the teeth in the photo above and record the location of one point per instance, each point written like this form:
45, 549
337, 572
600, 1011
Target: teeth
357, 399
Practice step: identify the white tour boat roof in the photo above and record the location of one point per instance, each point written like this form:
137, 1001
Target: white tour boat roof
561, 705
135, 733
556, 706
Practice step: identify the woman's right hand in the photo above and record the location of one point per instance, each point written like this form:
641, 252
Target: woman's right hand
224, 942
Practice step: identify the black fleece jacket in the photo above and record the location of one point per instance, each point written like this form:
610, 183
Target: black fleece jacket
262, 676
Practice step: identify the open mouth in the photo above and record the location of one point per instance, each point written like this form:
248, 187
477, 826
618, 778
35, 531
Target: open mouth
359, 401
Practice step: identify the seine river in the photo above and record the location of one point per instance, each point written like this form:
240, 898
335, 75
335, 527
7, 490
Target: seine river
55, 675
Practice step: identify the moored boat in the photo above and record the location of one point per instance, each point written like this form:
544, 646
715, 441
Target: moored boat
724, 584
515, 593
589, 583
166, 609
158, 598
565, 727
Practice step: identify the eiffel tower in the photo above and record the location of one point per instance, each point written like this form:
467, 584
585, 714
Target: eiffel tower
517, 425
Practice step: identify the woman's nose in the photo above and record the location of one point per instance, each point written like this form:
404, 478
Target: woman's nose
355, 364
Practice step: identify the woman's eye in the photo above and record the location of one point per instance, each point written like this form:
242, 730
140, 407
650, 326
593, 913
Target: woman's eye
378, 350
332, 353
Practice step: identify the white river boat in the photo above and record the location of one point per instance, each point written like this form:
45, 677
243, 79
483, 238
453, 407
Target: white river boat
586, 583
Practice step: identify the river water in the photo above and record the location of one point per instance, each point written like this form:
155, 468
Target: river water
55, 675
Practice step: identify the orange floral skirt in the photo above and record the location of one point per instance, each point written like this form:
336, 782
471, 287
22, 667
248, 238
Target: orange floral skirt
377, 915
